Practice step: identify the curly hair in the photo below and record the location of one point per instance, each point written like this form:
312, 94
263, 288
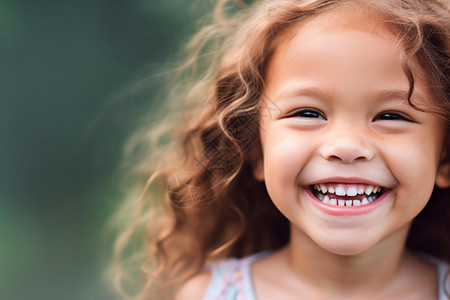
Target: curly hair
198, 199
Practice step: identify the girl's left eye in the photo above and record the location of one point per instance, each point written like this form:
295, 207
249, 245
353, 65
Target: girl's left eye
392, 116
309, 113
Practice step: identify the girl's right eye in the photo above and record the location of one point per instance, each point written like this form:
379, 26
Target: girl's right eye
309, 113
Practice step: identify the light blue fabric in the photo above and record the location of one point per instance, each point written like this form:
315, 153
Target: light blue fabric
444, 281
231, 278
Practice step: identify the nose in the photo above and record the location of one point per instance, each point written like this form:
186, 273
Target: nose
348, 148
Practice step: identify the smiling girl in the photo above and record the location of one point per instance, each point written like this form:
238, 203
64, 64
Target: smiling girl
323, 139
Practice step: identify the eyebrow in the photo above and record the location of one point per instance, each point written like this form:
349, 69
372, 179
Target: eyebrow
416, 98
309, 91
392, 94
382, 95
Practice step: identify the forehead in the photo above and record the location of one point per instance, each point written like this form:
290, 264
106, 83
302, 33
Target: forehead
351, 42
337, 30
348, 16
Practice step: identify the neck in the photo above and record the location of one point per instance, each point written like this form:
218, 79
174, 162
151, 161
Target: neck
373, 270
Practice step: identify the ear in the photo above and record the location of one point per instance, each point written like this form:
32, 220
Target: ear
256, 160
443, 172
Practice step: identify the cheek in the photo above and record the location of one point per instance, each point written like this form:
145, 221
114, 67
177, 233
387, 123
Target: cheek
284, 158
414, 167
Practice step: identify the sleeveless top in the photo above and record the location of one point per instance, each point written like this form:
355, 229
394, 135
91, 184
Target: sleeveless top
231, 278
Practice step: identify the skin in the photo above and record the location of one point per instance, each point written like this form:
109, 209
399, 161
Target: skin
338, 86
343, 118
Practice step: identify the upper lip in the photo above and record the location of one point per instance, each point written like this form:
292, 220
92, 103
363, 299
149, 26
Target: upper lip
346, 180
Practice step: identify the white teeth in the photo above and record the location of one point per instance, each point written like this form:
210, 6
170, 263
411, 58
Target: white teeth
351, 191
340, 191
341, 202
324, 192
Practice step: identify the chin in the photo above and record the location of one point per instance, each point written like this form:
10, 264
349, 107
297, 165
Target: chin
348, 251
344, 247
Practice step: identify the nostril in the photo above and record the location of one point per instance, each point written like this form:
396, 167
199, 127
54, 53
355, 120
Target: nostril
348, 159
347, 151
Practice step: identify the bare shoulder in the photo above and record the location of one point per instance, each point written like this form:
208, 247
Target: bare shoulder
194, 288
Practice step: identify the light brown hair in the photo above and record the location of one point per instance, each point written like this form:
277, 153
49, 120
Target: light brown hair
199, 199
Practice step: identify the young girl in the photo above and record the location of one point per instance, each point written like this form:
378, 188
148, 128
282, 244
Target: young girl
314, 161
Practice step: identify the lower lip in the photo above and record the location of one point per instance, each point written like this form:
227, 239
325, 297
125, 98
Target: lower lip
336, 210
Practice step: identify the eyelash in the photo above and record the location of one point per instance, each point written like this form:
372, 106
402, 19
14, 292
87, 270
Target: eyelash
392, 116
312, 113
309, 113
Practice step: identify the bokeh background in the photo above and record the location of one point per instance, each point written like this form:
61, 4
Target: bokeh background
68, 75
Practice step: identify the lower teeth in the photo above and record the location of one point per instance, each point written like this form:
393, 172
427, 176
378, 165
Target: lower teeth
341, 202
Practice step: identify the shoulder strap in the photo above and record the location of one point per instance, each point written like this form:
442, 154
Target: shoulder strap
444, 280
231, 279
443, 270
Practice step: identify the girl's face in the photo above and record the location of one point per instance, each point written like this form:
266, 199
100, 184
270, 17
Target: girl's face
346, 159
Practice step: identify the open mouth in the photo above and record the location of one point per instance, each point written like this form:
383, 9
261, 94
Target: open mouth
346, 194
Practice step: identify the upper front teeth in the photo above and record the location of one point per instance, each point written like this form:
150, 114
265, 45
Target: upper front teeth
347, 189
351, 191
340, 191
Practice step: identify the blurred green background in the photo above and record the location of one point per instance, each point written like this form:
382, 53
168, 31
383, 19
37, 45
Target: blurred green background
67, 75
